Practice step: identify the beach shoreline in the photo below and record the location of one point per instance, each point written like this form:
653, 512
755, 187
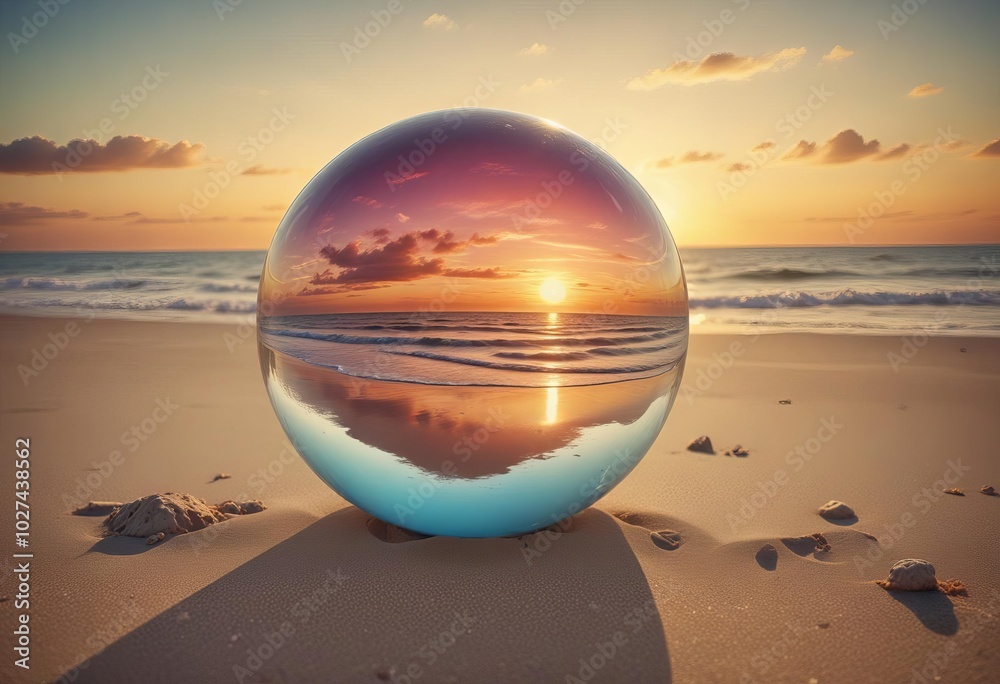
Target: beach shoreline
123, 409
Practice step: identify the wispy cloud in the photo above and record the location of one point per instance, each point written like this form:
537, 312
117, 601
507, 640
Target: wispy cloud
261, 170
535, 50
837, 54
990, 151
718, 66
440, 21
539, 84
37, 155
19, 214
924, 90
690, 157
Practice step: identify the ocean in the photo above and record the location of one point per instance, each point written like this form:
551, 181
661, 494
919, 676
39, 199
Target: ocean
940, 290
473, 348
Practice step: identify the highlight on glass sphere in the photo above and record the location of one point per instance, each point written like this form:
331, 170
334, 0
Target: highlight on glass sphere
472, 323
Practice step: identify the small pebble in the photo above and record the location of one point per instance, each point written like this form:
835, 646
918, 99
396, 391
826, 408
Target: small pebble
738, 450
221, 476
702, 445
954, 491
836, 510
153, 538
910, 574
785, 401
667, 539
988, 490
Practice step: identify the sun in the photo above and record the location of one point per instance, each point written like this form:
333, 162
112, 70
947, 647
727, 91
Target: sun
552, 291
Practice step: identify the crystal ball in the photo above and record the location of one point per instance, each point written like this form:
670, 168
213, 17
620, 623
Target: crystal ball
472, 323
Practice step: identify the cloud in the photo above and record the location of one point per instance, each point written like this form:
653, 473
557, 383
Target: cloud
398, 260
990, 151
895, 152
718, 66
690, 157
837, 54
37, 155
848, 146
494, 169
440, 21
486, 273
274, 207
127, 216
535, 50
766, 145
802, 149
369, 202
19, 214
924, 90
401, 217
539, 84
261, 170
393, 179
738, 166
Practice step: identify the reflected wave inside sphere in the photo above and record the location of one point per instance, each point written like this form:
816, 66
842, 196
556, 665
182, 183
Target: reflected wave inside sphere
472, 323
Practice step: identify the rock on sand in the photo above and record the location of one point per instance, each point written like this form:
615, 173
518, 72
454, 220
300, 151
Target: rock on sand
911, 574
836, 510
702, 445
158, 515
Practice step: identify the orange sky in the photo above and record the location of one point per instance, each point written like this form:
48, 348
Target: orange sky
475, 210
748, 123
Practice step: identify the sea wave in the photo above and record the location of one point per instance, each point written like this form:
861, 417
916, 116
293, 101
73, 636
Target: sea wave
342, 338
69, 285
527, 368
848, 297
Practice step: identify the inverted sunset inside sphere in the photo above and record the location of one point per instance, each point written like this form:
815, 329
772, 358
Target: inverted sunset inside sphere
472, 323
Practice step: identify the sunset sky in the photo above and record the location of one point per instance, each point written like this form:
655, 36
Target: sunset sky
494, 209
748, 122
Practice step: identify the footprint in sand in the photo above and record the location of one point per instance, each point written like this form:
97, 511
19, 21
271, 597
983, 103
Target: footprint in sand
767, 557
392, 534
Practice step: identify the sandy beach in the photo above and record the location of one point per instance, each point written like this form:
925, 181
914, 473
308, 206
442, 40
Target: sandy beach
305, 591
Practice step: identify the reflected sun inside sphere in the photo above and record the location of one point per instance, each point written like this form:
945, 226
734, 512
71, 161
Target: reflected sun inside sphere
552, 291
472, 323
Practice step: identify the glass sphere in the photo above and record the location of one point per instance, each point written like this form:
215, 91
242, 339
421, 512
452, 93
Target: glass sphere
472, 323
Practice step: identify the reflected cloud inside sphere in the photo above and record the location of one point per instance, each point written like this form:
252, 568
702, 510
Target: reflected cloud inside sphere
472, 323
